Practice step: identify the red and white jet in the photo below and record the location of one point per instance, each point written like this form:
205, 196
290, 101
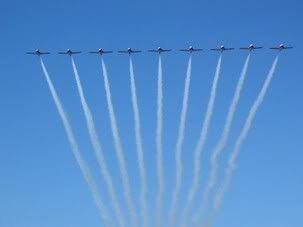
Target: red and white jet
222, 48
159, 50
281, 47
38, 52
251, 47
190, 49
100, 51
69, 52
129, 51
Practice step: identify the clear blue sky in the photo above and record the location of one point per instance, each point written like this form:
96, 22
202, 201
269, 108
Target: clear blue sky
41, 185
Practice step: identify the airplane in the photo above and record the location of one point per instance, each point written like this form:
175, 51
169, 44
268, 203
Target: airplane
281, 47
190, 49
70, 52
159, 50
100, 51
38, 52
250, 47
222, 48
129, 51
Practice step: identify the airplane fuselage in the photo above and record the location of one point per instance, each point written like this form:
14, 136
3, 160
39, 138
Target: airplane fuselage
282, 46
251, 47
222, 48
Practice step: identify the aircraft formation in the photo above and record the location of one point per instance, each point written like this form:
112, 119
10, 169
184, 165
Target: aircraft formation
173, 218
160, 50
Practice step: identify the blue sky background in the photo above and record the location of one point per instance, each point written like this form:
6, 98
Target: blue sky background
41, 185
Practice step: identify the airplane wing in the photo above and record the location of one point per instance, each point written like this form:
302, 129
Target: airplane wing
62, 53
279, 48
97, 52
216, 49
229, 48
76, 52
193, 50
258, 47
156, 51
129, 52
41, 53
244, 48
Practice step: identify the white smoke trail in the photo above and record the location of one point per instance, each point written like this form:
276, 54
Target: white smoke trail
118, 147
201, 143
159, 149
224, 136
236, 149
179, 144
98, 149
75, 148
139, 145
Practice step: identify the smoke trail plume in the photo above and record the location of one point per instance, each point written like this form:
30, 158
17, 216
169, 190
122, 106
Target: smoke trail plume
139, 145
224, 137
159, 149
236, 149
118, 147
201, 143
75, 148
179, 144
98, 149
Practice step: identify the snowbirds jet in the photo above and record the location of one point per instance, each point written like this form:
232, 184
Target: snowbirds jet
129, 51
38, 52
281, 47
222, 48
251, 47
69, 52
159, 50
190, 49
100, 51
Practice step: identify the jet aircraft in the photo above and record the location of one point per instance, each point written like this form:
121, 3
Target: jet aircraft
159, 50
251, 47
129, 51
190, 49
69, 52
38, 52
222, 48
280, 47
100, 51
